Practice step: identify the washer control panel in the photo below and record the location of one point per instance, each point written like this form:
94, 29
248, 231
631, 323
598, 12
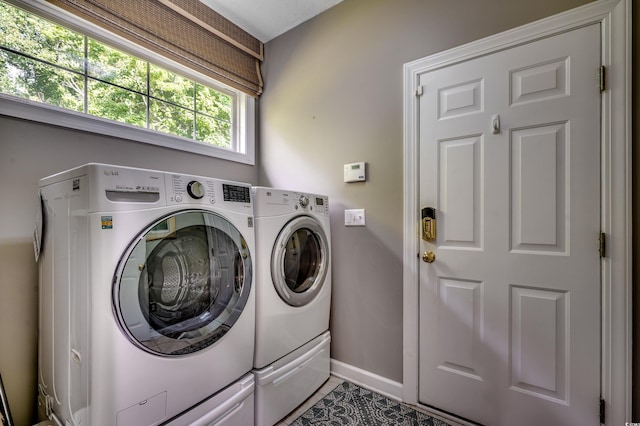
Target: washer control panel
187, 189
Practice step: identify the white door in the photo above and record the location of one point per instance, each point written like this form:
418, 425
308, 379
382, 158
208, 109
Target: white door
510, 308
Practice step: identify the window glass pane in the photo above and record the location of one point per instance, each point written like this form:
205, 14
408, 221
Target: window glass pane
213, 103
169, 118
114, 66
34, 36
117, 104
171, 87
213, 131
37, 81
44, 62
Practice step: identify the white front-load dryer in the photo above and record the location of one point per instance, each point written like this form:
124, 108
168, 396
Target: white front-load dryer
147, 306
293, 299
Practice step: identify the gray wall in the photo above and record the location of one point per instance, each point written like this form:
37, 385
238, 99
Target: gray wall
28, 152
333, 95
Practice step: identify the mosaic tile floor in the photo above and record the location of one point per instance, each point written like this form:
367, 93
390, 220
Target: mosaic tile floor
341, 403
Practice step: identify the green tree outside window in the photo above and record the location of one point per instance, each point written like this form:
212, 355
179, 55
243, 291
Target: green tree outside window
44, 62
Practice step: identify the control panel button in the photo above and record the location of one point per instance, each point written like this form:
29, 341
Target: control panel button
304, 201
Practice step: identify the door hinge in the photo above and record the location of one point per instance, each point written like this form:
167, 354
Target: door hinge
419, 90
602, 78
602, 244
602, 412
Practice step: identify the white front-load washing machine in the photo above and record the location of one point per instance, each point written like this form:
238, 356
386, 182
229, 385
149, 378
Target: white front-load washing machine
293, 299
147, 306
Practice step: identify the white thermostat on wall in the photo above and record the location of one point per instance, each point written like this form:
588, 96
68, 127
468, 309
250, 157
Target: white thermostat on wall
355, 172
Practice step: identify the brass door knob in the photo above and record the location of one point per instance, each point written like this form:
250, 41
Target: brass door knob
429, 256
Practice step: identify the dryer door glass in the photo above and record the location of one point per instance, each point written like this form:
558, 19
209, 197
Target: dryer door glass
299, 262
183, 284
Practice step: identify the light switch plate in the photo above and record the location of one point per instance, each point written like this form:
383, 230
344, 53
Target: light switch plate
354, 217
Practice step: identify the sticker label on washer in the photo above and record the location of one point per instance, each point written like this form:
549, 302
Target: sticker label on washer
107, 222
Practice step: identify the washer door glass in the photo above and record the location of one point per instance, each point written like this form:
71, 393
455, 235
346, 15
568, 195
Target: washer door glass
183, 283
299, 262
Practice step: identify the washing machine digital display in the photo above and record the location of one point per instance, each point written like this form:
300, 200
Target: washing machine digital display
184, 284
235, 193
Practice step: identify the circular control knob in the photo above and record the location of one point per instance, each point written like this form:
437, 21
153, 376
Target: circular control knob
195, 189
304, 201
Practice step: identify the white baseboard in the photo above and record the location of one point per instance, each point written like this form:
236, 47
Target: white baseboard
366, 379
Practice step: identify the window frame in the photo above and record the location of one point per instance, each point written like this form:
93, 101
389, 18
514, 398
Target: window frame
243, 123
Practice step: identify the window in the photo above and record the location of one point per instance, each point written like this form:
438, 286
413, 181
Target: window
46, 63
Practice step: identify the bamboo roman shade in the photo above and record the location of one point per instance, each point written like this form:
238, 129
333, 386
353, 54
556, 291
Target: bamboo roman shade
185, 31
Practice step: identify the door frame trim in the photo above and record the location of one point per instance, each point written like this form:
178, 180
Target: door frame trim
616, 196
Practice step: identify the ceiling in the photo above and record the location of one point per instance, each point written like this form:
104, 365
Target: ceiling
267, 19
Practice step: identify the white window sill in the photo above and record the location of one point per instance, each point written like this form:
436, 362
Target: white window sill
42, 113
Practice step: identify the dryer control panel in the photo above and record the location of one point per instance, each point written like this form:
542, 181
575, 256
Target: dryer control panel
321, 204
318, 204
272, 201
